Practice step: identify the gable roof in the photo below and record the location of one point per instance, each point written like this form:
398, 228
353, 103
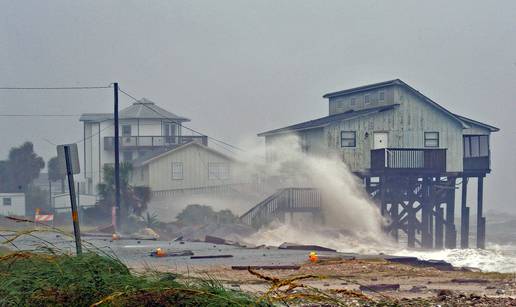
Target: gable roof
324, 121
164, 151
141, 109
474, 122
400, 83
363, 88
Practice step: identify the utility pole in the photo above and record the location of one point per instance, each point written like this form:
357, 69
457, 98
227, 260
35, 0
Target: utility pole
117, 162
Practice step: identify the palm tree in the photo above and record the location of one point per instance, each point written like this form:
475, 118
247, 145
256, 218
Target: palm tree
54, 173
133, 200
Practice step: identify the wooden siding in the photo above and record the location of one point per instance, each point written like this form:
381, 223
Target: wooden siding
195, 161
342, 104
406, 126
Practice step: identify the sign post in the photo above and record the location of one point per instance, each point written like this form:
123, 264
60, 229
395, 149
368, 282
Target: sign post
69, 155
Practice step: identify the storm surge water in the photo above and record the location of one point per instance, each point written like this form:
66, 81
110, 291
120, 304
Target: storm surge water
495, 258
352, 222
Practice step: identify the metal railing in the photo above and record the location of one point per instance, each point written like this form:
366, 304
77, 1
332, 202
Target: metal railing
408, 159
284, 200
153, 141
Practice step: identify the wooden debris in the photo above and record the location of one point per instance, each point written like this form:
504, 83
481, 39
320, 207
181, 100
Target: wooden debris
266, 267
380, 287
211, 256
470, 281
305, 247
173, 254
214, 240
438, 264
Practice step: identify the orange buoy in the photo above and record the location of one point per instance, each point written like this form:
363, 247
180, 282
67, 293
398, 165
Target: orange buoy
313, 257
160, 252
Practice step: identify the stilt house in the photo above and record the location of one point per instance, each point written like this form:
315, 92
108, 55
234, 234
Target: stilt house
411, 152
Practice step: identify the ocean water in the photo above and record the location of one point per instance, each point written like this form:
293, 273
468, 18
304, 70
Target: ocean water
495, 258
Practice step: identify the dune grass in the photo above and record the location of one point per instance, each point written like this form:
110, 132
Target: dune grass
45, 279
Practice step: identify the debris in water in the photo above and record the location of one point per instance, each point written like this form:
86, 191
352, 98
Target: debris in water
211, 256
265, 267
305, 247
380, 287
162, 253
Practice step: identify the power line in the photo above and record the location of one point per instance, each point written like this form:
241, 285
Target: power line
56, 88
178, 123
39, 115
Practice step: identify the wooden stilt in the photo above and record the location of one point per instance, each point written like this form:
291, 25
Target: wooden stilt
426, 236
383, 192
395, 220
481, 222
439, 226
464, 218
451, 233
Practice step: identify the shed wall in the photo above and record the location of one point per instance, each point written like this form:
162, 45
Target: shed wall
17, 206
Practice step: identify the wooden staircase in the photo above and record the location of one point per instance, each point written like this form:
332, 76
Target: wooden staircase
288, 200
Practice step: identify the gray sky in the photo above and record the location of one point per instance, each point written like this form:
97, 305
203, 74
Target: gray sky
237, 68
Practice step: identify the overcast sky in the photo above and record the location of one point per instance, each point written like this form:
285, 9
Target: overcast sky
237, 68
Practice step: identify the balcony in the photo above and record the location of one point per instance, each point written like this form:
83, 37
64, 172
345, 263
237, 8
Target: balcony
477, 164
408, 160
152, 141
477, 154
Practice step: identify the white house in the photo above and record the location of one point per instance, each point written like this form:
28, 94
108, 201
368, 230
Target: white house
182, 167
12, 204
144, 127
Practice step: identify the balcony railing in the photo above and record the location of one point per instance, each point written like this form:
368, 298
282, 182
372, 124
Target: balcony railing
152, 141
406, 159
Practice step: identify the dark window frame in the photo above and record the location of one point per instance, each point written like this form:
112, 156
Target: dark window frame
7, 201
124, 127
367, 99
181, 167
354, 139
468, 149
219, 171
432, 139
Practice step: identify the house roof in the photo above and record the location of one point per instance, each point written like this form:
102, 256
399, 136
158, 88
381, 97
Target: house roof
474, 122
142, 109
323, 121
400, 83
363, 88
164, 151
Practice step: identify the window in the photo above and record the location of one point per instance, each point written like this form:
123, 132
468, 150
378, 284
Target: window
170, 133
367, 99
218, 170
127, 156
381, 96
126, 130
348, 139
353, 101
431, 139
476, 146
177, 170
7, 201
142, 174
